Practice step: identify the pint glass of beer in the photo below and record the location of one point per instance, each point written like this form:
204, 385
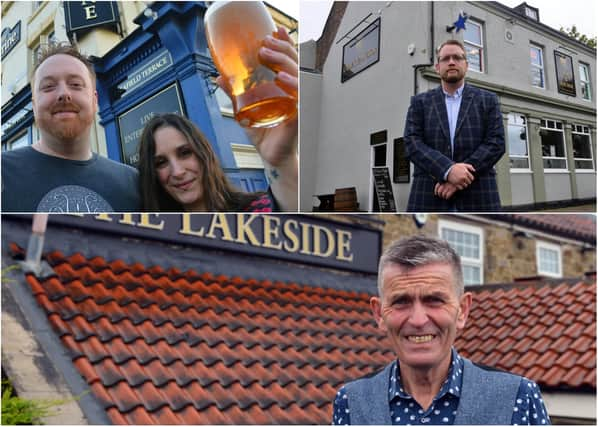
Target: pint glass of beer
235, 31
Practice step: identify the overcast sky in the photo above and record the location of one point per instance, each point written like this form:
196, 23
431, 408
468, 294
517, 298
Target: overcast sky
554, 13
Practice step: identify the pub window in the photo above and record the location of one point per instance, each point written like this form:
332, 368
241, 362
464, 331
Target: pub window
554, 155
44, 42
531, 13
468, 242
548, 259
473, 40
584, 80
518, 141
224, 102
536, 66
582, 147
20, 140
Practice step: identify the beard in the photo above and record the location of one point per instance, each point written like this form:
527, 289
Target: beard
69, 129
452, 77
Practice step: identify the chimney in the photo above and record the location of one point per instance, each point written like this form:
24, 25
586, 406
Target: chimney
35, 246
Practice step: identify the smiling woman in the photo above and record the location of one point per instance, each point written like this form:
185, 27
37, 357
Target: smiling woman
179, 171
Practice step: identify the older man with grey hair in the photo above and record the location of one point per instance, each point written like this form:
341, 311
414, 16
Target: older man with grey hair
422, 305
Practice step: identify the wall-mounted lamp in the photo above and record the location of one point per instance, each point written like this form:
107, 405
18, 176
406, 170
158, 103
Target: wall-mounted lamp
150, 13
586, 248
209, 77
519, 237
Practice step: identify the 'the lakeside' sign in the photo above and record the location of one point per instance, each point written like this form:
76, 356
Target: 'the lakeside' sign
296, 238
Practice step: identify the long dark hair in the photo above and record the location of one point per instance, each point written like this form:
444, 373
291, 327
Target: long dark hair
219, 194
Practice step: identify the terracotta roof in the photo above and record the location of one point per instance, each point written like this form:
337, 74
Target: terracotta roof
164, 346
576, 226
160, 345
546, 332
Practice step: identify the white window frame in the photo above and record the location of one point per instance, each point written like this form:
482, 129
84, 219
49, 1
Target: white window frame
551, 125
551, 247
514, 113
20, 140
465, 228
583, 130
225, 104
541, 67
531, 13
585, 83
480, 47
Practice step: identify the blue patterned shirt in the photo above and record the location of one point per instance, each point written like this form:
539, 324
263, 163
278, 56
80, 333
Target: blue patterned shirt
404, 410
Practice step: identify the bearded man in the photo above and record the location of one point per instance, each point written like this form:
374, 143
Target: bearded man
59, 172
454, 136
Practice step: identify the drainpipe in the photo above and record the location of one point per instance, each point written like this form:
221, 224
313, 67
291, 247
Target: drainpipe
35, 246
418, 66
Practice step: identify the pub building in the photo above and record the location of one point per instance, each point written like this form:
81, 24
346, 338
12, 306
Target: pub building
149, 57
259, 319
372, 57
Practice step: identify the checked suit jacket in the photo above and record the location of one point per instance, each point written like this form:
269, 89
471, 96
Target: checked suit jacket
479, 140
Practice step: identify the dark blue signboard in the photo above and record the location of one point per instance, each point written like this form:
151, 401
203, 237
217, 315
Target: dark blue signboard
146, 72
132, 122
10, 38
298, 238
82, 15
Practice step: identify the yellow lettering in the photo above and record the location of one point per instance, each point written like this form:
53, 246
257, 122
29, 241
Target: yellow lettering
90, 12
127, 219
344, 245
244, 228
290, 235
318, 240
103, 217
144, 221
305, 239
186, 227
219, 222
270, 231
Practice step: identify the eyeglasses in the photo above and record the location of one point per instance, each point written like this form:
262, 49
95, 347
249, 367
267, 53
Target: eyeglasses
456, 58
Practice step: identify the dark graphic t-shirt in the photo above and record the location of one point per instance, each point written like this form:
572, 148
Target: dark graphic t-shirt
35, 182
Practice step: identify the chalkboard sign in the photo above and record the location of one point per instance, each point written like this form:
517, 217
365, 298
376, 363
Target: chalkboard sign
402, 167
386, 199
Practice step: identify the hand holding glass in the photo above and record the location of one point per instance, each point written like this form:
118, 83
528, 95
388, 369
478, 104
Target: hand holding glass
235, 31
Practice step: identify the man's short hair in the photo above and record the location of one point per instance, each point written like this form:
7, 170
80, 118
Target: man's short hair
63, 49
420, 250
450, 42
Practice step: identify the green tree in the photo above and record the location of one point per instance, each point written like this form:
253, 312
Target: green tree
582, 38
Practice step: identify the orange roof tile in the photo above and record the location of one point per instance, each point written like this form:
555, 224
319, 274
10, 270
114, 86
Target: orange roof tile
163, 346
554, 343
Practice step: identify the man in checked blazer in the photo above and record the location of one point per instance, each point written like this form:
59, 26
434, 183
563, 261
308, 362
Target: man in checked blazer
454, 136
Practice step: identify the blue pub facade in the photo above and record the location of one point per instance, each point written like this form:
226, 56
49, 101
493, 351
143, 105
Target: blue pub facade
165, 66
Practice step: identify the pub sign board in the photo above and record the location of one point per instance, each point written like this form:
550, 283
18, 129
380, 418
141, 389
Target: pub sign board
82, 15
132, 122
10, 38
564, 73
362, 51
146, 72
297, 238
